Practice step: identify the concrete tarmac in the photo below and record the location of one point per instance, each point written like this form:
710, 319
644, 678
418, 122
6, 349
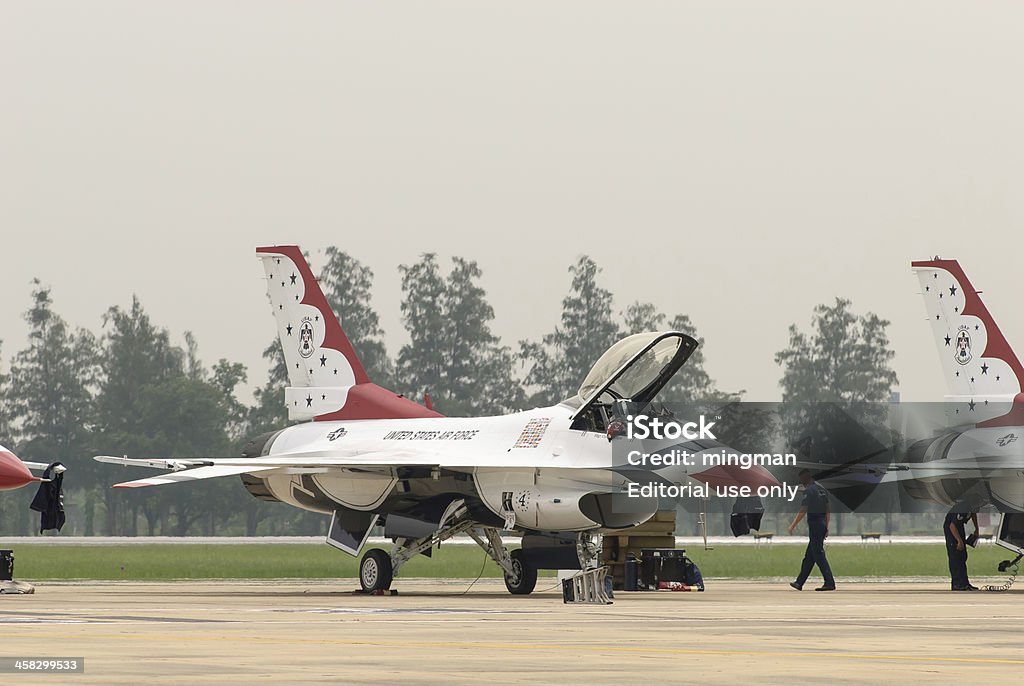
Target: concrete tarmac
297, 631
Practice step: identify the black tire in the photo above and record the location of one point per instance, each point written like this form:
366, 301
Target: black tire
375, 571
525, 579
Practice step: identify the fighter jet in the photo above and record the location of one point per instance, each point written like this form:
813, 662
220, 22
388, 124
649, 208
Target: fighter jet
973, 447
368, 456
982, 456
986, 391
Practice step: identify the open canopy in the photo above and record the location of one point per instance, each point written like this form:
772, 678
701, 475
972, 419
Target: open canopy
635, 369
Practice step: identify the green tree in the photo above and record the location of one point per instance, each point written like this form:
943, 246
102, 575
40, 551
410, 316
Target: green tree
422, 362
6, 427
845, 359
480, 371
269, 413
348, 286
561, 360
50, 399
691, 382
136, 356
836, 382
52, 383
156, 401
225, 377
452, 352
13, 509
640, 317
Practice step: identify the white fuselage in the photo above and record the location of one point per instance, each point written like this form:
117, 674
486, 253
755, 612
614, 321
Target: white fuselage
991, 454
528, 468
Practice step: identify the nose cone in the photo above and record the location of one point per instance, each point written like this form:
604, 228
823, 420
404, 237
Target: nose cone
13, 472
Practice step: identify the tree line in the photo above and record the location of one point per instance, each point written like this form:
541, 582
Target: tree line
129, 388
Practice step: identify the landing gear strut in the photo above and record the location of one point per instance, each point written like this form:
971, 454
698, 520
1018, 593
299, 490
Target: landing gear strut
520, 576
588, 550
378, 568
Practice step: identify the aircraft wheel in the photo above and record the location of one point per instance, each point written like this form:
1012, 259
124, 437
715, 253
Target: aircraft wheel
524, 580
375, 573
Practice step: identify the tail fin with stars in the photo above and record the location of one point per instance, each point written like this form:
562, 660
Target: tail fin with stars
326, 379
977, 361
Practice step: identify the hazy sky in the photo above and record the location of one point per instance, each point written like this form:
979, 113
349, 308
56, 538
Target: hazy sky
736, 161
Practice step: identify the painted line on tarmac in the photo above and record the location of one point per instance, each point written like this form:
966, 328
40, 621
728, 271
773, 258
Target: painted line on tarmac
537, 647
43, 620
396, 611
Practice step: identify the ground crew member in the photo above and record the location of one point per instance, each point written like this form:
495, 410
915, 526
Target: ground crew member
815, 506
956, 545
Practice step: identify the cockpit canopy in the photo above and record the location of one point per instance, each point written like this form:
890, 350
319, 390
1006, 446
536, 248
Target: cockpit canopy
658, 351
633, 370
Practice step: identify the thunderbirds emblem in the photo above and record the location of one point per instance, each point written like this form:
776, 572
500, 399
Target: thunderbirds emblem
306, 337
962, 351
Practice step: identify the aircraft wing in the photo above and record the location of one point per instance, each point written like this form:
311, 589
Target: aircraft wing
963, 467
193, 474
985, 467
194, 469
314, 461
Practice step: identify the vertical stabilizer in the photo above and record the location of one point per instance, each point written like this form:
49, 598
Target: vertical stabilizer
326, 378
976, 359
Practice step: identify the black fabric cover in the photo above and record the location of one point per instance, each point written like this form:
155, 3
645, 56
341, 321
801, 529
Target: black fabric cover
746, 515
49, 500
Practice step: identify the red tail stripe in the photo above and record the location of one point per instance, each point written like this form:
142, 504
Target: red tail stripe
370, 401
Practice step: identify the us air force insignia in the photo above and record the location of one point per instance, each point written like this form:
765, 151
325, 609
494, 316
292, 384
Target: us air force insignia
337, 433
962, 351
306, 337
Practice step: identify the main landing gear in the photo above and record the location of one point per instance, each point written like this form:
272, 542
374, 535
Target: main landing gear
378, 568
376, 571
523, 578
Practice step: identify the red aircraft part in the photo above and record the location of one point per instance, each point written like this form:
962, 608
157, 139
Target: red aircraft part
13, 472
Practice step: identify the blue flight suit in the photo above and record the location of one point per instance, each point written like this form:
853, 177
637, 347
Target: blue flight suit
957, 558
816, 502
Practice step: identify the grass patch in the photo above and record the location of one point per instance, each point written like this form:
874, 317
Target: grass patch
270, 561
273, 561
